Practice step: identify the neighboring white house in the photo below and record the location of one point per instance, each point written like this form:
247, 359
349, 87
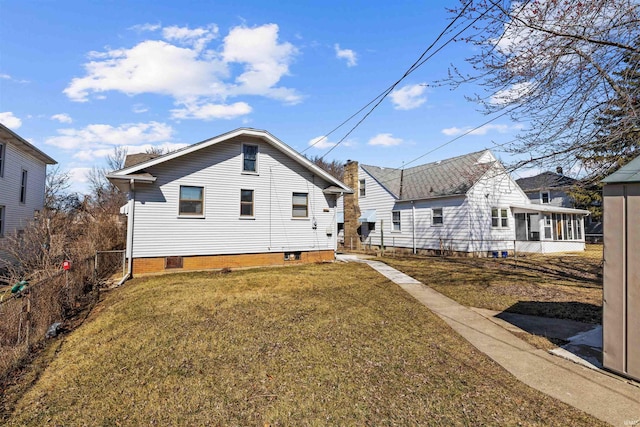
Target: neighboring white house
464, 204
243, 198
548, 188
23, 170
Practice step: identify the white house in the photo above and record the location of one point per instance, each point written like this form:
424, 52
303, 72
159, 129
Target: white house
23, 171
240, 199
463, 204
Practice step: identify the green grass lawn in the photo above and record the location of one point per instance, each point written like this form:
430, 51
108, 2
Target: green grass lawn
331, 344
567, 286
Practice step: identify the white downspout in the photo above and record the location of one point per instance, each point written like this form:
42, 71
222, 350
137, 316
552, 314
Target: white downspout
129, 245
413, 225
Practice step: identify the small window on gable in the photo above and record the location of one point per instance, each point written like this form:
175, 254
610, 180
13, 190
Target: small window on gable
249, 158
300, 205
395, 221
246, 203
23, 187
545, 197
363, 188
437, 218
2, 156
191, 201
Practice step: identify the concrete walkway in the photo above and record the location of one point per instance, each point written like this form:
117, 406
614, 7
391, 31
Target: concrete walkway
603, 395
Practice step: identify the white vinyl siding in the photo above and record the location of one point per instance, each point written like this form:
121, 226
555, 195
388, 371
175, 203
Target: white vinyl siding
159, 233
1, 221
15, 161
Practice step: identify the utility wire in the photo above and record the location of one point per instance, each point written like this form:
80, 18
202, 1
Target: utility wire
389, 89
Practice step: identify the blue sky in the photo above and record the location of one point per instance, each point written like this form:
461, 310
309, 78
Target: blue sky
78, 77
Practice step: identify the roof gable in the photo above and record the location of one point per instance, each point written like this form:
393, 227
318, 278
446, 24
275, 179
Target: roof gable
135, 168
449, 177
7, 134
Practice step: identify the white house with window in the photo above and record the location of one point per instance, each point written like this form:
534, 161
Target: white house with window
467, 204
23, 171
240, 199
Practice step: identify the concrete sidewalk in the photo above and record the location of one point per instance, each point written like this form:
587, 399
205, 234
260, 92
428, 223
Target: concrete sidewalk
603, 395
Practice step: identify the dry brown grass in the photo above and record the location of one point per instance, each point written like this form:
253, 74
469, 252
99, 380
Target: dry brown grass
313, 345
567, 286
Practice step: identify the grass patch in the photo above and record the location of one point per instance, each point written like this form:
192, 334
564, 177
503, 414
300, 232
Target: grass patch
564, 286
311, 345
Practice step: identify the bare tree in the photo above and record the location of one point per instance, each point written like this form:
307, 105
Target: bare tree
104, 195
334, 167
553, 65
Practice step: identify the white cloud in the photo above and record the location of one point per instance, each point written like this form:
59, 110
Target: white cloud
512, 93
385, 139
145, 27
126, 134
409, 97
139, 108
349, 55
62, 118
211, 111
104, 151
79, 175
9, 120
321, 143
483, 130
5, 76
8, 77
186, 67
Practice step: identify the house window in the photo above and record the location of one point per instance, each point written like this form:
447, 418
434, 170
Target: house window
2, 155
299, 206
548, 227
249, 158
437, 217
23, 187
499, 218
545, 196
191, 201
1, 221
395, 221
363, 188
246, 203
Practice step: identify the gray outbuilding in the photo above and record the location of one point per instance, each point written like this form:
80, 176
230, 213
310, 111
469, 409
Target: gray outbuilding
621, 305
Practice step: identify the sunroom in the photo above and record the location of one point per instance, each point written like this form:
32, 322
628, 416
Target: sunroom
547, 229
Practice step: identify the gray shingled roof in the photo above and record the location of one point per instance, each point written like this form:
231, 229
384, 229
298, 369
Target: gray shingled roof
545, 180
134, 159
448, 177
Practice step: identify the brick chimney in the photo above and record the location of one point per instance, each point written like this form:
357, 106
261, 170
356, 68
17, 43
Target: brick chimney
351, 206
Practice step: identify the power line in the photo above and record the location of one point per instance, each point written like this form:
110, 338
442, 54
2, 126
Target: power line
389, 89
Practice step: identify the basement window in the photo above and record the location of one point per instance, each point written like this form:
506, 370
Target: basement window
292, 256
173, 262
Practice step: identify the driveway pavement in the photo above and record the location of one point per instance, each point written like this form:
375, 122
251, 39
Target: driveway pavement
606, 396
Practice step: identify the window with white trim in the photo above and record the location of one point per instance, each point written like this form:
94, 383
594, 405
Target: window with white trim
545, 197
299, 205
499, 218
396, 224
249, 158
437, 217
23, 187
246, 203
2, 156
363, 188
191, 201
